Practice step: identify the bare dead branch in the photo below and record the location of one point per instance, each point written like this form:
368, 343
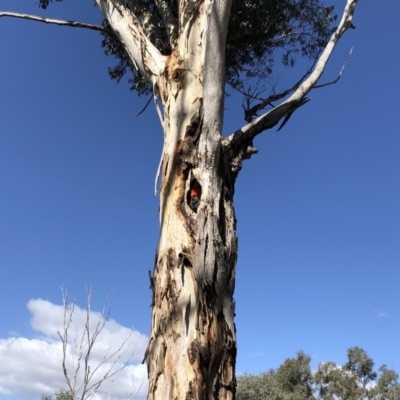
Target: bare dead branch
144, 108
338, 77
73, 24
110, 373
243, 136
251, 95
84, 349
67, 316
253, 111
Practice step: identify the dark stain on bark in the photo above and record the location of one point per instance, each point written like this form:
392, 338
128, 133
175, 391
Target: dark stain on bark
172, 63
183, 211
178, 74
172, 293
170, 259
183, 275
152, 287
196, 122
193, 352
160, 364
204, 355
186, 257
190, 394
187, 316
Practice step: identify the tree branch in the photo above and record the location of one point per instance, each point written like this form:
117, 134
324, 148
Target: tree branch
61, 22
144, 108
170, 22
84, 343
214, 64
338, 77
126, 26
243, 136
251, 112
149, 23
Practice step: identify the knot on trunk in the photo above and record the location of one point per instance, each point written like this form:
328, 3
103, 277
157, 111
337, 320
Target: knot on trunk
177, 74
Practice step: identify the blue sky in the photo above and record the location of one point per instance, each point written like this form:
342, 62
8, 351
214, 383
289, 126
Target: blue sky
318, 208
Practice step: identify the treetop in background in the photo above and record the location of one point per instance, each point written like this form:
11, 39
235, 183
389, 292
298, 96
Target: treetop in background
294, 380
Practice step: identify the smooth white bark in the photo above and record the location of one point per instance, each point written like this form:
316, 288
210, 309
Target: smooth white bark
147, 59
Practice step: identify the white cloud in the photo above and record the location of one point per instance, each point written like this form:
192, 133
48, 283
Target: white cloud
381, 314
30, 368
256, 354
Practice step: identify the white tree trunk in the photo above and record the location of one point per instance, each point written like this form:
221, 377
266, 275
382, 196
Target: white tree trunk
192, 349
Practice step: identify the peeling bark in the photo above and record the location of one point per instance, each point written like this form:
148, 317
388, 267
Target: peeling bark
192, 349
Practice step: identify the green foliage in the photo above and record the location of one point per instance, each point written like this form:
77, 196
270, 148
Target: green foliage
259, 33
61, 395
291, 381
256, 387
351, 382
45, 3
333, 382
388, 387
295, 377
360, 365
294, 380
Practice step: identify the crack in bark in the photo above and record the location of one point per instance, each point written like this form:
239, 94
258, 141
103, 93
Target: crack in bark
187, 316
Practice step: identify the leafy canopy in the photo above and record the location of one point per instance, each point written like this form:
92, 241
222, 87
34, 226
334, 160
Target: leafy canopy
259, 33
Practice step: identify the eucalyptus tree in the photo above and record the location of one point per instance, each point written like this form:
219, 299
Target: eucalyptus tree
294, 380
185, 52
356, 379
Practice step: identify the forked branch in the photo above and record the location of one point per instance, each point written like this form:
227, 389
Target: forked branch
243, 136
251, 112
338, 77
82, 348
